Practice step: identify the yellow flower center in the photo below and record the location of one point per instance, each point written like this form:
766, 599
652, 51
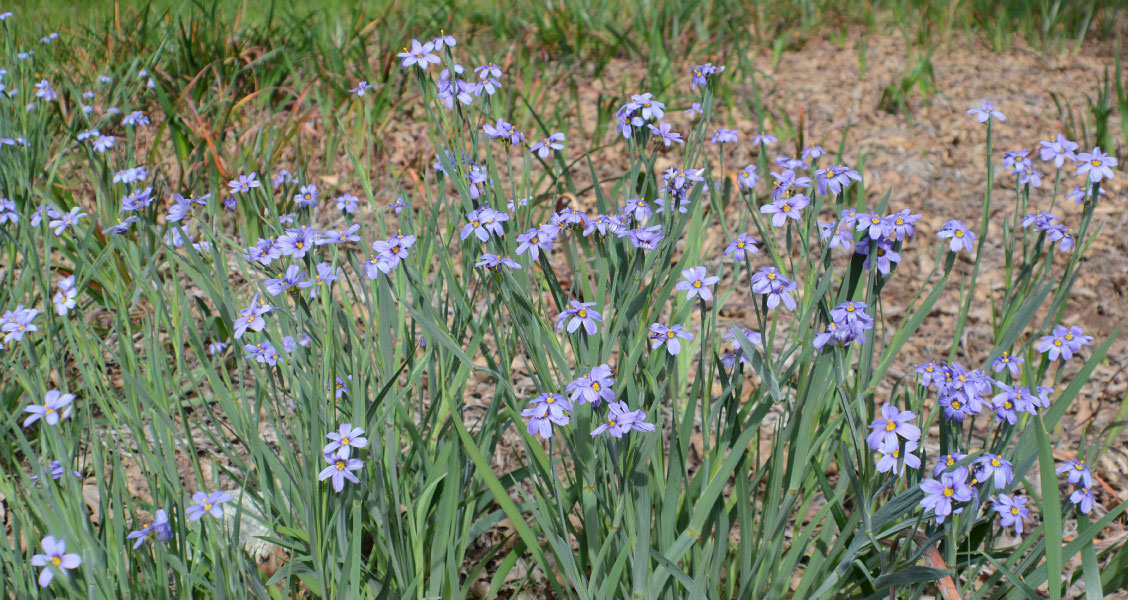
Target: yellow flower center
583, 313
670, 334
890, 425
207, 505
340, 465
948, 492
1007, 405
959, 233
1014, 510
344, 440
956, 404
1096, 162
56, 560
595, 386
696, 284
995, 462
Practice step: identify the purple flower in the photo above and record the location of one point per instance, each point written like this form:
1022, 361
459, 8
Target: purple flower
264, 251
54, 557
947, 461
837, 235
54, 408
646, 106
604, 224
747, 178
536, 240
65, 298
883, 251
849, 324
344, 440
580, 315
1096, 164
1017, 160
661, 334
504, 131
207, 504
785, 207
419, 54
18, 322
835, 178
700, 73
664, 134
8, 212
483, 221
621, 420
1058, 150
902, 223
1006, 361
131, 175
262, 352
996, 467
545, 147
791, 163
339, 236
627, 124
340, 468
347, 203
244, 183
593, 388
1083, 497
959, 235
159, 529
693, 110
892, 424
696, 283
891, 454
297, 242
288, 281
1012, 511
743, 243
399, 205
388, 254
67, 220
326, 274
135, 118
985, 112
939, 495
137, 200
339, 387
721, 136
306, 196
812, 152
645, 238
544, 411
637, 209
764, 139
103, 143
1063, 342
769, 281
1041, 221
1078, 194
1078, 472
251, 317
1062, 234
1030, 176
1010, 401
445, 39
875, 225
493, 261
361, 88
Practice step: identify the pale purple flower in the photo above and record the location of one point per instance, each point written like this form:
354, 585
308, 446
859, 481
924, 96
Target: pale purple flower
340, 469
325, 275
505, 132
444, 39
986, 112
1083, 498
664, 134
764, 139
960, 237
306, 196
361, 88
1078, 472
699, 74
1096, 164
251, 317
135, 118
244, 183
544, 411
55, 407
536, 240
939, 495
747, 178
342, 441
891, 425
211, 504
902, 223
947, 461
594, 387
697, 283
785, 207
158, 529
419, 54
67, 220
580, 313
1006, 361
54, 557
742, 245
1058, 150
297, 242
662, 335
891, 456
493, 261
995, 467
812, 152
103, 143
721, 136
621, 419
769, 281
694, 110
545, 147
1012, 511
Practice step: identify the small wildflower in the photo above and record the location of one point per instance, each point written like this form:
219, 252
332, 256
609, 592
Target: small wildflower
1012, 511
158, 529
54, 557
340, 469
940, 494
544, 411
207, 504
621, 420
1078, 472
55, 407
1096, 164
985, 112
342, 441
696, 283
662, 335
959, 235
594, 387
891, 425
580, 313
